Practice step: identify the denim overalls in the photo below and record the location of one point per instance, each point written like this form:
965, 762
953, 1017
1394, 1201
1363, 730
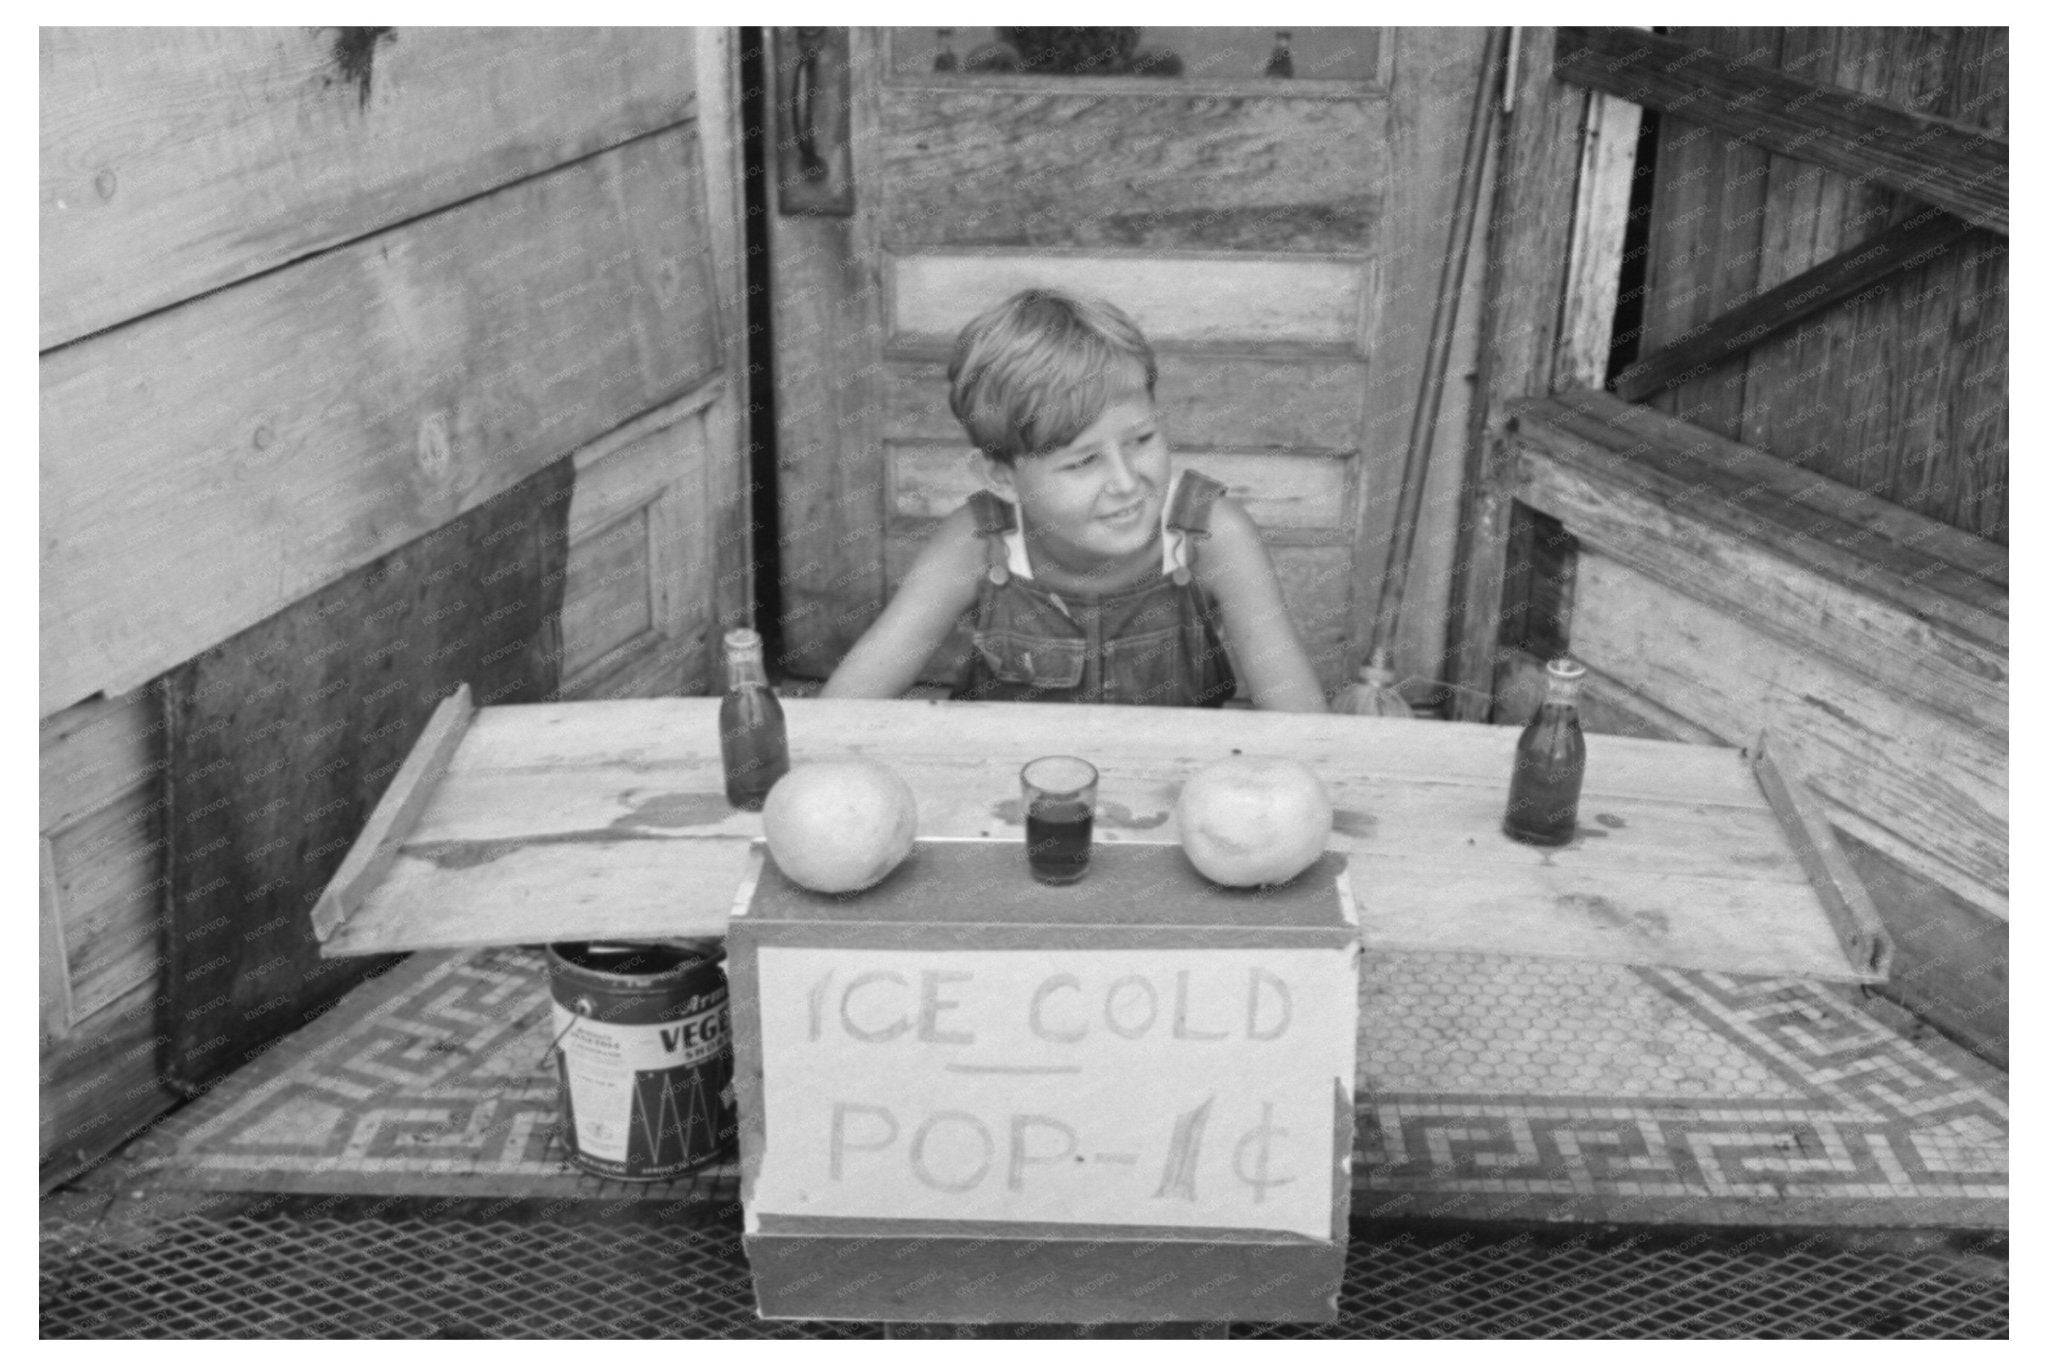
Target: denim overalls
1155, 644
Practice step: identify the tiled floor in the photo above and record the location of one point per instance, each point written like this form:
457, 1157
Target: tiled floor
1490, 1087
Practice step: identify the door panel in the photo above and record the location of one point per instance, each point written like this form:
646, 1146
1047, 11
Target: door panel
1232, 398
1237, 218
1161, 171
637, 610
1234, 303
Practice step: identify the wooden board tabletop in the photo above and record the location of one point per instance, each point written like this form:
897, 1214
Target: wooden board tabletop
608, 819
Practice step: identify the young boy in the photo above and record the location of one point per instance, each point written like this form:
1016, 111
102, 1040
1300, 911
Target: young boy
1095, 571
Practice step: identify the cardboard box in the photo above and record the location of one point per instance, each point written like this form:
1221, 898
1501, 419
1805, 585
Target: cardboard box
966, 1097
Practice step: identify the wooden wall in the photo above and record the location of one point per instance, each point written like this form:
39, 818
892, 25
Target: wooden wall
307, 294
1807, 540
1902, 391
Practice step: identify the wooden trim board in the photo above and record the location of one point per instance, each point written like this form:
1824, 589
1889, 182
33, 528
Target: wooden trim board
1842, 895
1938, 161
1528, 254
1836, 280
397, 812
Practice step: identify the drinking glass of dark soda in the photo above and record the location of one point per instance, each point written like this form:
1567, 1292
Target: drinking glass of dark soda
1059, 817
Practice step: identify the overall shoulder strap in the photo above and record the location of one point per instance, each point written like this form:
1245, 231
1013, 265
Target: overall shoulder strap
1192, 500
993, 521
1193, 495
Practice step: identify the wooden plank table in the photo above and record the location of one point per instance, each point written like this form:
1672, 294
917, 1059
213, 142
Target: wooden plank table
525, 824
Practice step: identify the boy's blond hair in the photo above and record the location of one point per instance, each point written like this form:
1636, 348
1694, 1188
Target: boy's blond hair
1034, 372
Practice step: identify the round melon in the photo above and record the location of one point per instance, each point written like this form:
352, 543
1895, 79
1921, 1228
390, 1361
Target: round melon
839, 825
1248, 822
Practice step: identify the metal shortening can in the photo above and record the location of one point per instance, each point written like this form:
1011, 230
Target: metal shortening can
644, 1052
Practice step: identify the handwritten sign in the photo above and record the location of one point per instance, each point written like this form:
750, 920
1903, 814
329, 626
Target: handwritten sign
1177, 1088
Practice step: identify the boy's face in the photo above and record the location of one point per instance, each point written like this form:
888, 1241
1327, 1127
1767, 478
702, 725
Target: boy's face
1097, 498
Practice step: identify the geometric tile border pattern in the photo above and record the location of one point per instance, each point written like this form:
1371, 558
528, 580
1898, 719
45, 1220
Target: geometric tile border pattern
1491, 1086
436, 1079
1724, 1099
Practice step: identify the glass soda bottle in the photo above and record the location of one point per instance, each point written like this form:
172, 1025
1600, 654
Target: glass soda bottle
1550, 763
751, 736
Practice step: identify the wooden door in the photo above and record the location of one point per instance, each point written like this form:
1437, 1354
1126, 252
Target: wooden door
1277, 237
311, 295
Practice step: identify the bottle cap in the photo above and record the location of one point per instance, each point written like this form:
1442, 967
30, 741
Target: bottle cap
742, 638
1565, 669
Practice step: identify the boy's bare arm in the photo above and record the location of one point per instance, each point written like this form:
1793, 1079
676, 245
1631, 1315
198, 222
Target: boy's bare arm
1234, 566
939, 587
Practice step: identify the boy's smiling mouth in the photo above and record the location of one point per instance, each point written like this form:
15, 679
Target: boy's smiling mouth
1125, 516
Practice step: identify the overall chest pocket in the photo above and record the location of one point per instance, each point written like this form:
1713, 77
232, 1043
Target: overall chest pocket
1033, 660
1147, 669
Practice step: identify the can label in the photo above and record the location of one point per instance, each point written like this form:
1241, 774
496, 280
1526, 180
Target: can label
646, 1100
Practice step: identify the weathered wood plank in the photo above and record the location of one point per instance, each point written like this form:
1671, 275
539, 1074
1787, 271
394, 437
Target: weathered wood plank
397, 811
1953, 166
1842, 895
1922, 788
607, 599
1791, 378
1328, 63
178, 160
1085, 169
1902, 390
630, 466
1216, 401
108, 879
1709, 923
1707, 229
53, 962
1610, 708
1952, 962
1927, 234
657, 733
1302, 305
830, 484
1426, 411
1761, 573
99, 1086
724, 540
546, 806
1296, 491
666, 666
460, 896
1607, 166
640, 553
1950, 577
353, 402
1529, 243
94, 752
1392, 818
1428, 117
100, 878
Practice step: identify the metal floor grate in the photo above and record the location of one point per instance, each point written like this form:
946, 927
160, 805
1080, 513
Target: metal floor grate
420, 1276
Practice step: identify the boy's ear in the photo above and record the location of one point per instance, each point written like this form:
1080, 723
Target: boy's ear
999, 477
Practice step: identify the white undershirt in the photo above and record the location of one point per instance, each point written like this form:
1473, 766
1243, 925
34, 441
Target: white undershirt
1172, 544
